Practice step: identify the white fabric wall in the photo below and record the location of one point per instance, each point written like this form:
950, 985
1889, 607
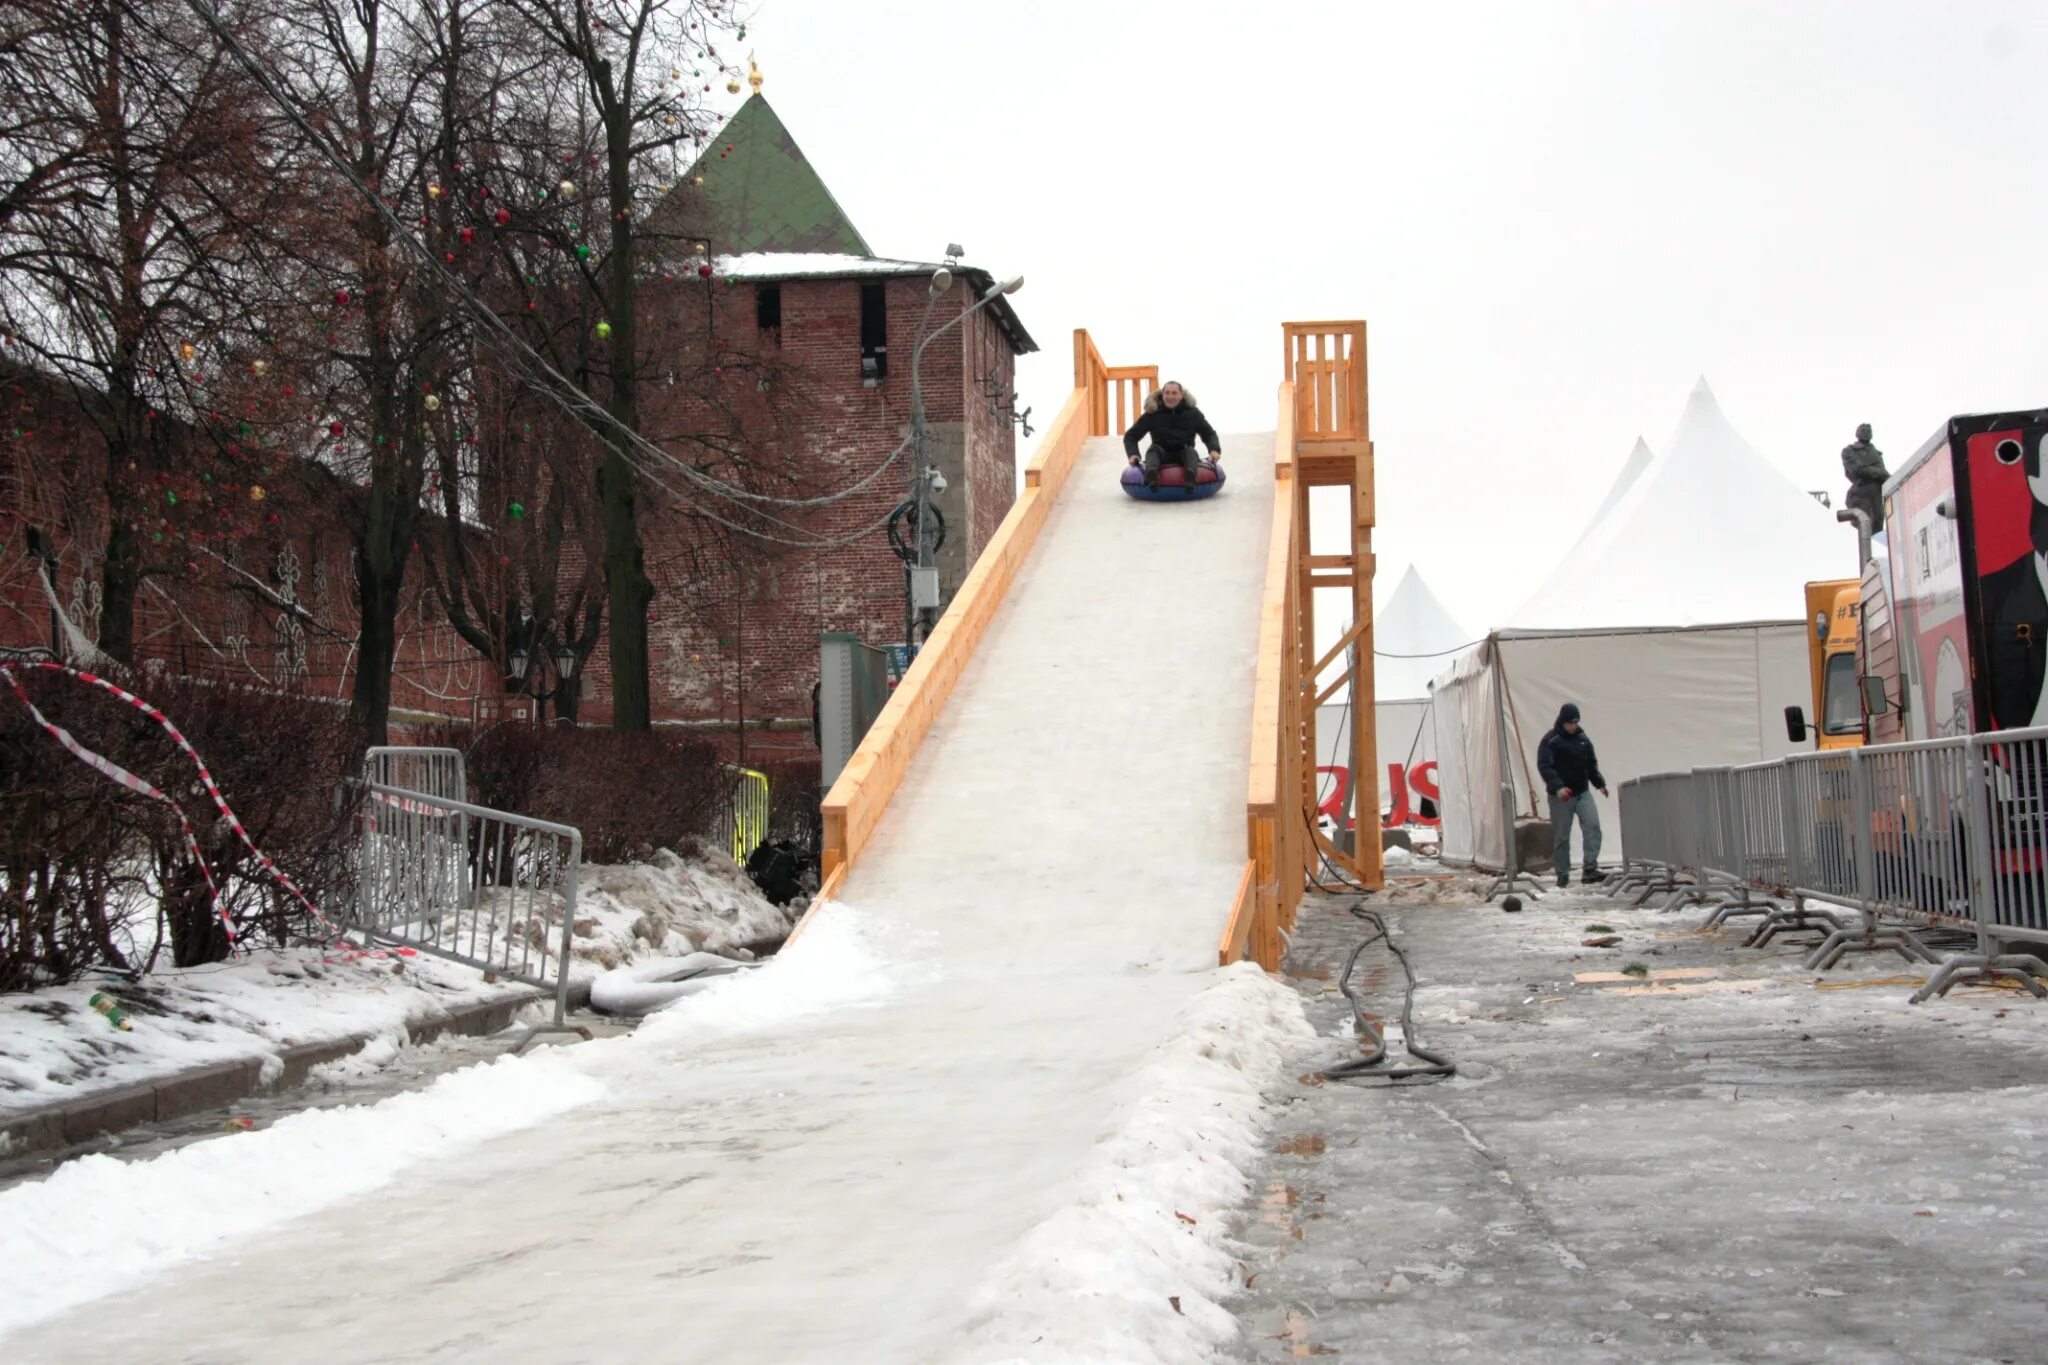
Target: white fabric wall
1653, 701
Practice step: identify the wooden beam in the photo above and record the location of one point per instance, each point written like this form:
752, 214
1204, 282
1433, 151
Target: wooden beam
1357, 629
1344, 861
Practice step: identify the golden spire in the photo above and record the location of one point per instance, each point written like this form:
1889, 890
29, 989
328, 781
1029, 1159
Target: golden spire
753, 74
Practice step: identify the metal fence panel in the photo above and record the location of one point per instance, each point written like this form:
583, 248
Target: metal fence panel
436, 772
468, 883
1947, 832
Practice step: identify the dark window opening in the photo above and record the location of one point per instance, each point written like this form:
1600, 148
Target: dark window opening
1841, 703
768, 308
874, 334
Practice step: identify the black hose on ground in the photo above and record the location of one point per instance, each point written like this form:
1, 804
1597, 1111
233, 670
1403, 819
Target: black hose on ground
1369, 1067
1436, 1066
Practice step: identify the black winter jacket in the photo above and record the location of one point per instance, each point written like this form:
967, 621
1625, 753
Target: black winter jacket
1173, 428
1568, 761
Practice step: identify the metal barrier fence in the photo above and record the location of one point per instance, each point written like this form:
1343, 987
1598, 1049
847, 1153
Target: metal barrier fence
436, 772
471, 884
1950, 833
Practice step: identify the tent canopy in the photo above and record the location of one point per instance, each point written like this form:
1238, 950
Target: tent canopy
1676, 622
1414, 638
1708, 533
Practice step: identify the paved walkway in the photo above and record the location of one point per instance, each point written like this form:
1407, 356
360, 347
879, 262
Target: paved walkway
1735, 1166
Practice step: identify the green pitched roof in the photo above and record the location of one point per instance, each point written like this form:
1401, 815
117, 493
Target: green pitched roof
762, 195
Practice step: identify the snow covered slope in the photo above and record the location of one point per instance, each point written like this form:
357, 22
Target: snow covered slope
992, 1107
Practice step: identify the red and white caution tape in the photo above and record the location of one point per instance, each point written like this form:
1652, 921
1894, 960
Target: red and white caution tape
129, 780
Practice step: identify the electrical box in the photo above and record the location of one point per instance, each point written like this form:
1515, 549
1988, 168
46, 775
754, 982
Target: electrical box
924, 589
853, 686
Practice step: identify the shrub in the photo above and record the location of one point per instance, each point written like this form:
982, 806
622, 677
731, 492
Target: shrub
629, 793
93, 874
794, 816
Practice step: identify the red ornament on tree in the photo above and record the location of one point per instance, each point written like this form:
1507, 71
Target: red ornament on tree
704, 272
341, 297
504, 217
468, 235
334, 428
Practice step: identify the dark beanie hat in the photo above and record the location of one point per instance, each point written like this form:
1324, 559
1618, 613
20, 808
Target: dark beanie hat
1569, 711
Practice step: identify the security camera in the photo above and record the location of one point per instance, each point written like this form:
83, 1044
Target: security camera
938, 482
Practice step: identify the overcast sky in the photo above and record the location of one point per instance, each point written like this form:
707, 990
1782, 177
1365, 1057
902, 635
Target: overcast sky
1553, 217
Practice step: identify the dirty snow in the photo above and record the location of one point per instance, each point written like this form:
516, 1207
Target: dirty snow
98, 1225
53, 1047
1136, 1268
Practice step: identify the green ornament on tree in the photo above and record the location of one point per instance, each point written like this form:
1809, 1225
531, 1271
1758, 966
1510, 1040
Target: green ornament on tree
604, 331
582, 251
518, 510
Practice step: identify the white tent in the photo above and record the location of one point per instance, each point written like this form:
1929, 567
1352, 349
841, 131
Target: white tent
1676, 623
1414, 638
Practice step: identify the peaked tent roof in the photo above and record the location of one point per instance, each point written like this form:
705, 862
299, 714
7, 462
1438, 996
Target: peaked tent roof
763, 194
1710, 533
1413, 622
1632, 468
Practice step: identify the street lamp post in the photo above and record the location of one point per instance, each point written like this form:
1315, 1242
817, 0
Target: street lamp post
518, 664
924, 480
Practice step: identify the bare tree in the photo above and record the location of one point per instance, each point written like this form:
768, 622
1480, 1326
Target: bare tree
628, 56
136, 157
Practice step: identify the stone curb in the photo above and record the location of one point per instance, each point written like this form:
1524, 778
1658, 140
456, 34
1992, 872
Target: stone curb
220, 1084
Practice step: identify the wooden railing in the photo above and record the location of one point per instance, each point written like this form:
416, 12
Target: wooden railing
1327, 362
1276, 832
857, 801
1116, 393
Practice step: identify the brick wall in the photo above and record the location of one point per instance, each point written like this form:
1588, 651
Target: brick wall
735, 621
210, 604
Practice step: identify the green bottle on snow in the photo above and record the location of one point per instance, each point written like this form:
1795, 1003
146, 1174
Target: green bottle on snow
109, 1006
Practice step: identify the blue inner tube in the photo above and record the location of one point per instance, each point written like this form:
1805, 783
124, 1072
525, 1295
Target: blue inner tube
1208, 483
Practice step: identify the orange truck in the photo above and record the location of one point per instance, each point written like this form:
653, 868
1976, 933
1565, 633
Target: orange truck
1833, 657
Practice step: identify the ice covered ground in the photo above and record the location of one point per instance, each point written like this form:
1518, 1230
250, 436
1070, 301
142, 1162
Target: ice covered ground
1726, 1159
997, 1107
53, 1047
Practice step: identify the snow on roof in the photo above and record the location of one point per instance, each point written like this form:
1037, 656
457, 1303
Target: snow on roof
788, 265
1413, 622
1708, 533
828, 265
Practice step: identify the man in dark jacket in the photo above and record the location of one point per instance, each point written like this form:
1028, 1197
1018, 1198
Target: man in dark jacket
1570, 772
1173, 422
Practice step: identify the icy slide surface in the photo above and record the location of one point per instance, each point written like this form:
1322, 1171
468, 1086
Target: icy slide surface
840, 1165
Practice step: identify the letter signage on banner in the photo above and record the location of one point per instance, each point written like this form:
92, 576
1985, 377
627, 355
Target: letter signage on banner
1418, 781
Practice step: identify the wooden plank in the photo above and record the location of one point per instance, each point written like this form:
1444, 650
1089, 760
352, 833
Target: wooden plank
1237, 929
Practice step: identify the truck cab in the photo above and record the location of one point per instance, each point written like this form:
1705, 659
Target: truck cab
1833, 657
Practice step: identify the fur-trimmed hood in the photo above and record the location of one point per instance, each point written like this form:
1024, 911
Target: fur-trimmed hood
1187, 399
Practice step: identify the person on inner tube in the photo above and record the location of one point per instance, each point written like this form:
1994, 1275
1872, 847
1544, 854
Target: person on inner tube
1173, 422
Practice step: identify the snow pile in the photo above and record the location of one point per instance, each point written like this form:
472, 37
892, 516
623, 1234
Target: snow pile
1135, 1269
98, 1225
53, 1047
671, 905
839, 963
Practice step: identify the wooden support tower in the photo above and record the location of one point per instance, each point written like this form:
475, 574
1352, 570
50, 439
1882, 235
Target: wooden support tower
1325, 364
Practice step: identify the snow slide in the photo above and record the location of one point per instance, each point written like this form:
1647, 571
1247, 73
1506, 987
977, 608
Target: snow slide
992, 1106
